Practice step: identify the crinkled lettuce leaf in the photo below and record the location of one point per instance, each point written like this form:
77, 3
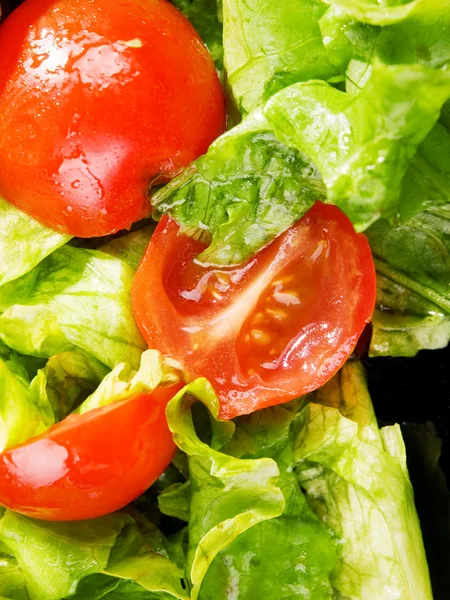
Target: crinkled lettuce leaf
335, 468
271, 502
205, 16
228, 495
74, 298
29, 406
244, 192
257, 179
131, 247
12, 582
393, 11
269, 45
100, 558
356, 46
69, 378
290, 556
25, 410
124, 382
413, 274
363, 144
23, 242
356, 480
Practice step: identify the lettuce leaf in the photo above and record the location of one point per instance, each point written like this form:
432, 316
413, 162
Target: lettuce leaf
256, 180
69, 378
74, 298
271, 502
93, 559
131, 247
124, 382
289, 556
28, 408
12, 582
363, 145
386, 13
356, 480
228, 495
24, 411
269, 45
23, 242
244, 192
413, 274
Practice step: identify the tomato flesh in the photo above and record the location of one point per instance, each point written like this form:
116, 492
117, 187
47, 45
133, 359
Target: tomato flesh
100, 99
92, 464
275, 328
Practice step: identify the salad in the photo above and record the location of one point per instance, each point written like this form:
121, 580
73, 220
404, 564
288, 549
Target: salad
209, 211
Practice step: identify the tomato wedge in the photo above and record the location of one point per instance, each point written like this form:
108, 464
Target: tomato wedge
92, 464
270, 330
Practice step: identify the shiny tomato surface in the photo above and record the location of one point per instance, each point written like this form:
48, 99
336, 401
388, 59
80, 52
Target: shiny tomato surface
275, 328
92, 464
98, 100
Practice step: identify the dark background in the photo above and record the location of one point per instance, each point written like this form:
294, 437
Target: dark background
414, 392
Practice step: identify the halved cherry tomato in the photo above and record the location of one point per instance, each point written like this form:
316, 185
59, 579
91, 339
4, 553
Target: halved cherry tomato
98, 99
92, 464
268, 331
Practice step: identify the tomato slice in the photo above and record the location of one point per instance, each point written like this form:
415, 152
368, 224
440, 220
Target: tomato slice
270, 330
99, 100
92, 464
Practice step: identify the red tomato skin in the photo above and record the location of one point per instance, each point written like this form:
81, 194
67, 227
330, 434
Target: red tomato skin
98, 99
92, 464
192, 338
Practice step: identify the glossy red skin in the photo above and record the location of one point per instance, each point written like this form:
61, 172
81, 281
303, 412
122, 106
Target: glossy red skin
88, 122
209, 343
92, 464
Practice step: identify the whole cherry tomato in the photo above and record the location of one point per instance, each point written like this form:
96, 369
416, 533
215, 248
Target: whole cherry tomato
100, 99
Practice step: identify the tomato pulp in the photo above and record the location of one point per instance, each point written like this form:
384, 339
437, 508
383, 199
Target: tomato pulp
275, 328
98, 99
91, 464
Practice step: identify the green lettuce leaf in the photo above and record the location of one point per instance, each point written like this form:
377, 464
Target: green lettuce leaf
386, 13
256, 180
206, 18
69, 378
244, 192
356, 480
228, 495
124, 382
413, 274
23, 242
290, 556
91, 559
25, 411
131, 247
363, 145
12, 582
74, 298
28, 408
175, 501
269, 45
